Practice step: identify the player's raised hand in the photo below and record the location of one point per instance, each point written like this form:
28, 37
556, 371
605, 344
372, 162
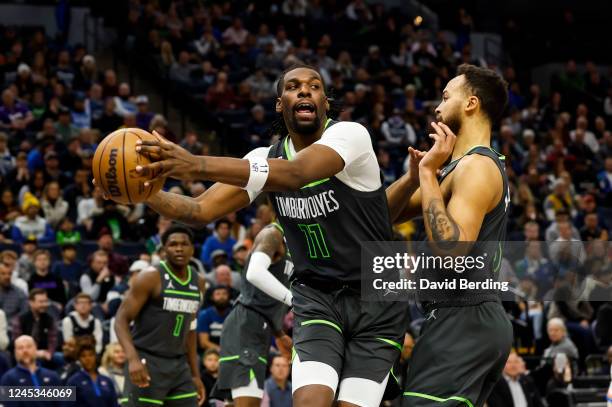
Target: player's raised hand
139, 375
172, 161
444, 143
413, 170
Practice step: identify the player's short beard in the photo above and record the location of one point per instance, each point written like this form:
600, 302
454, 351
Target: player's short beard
306, 129
453, 121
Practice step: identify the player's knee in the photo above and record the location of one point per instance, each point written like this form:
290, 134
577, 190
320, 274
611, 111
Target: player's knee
313, 395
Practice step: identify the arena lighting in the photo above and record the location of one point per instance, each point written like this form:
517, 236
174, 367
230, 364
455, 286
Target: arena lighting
418, 20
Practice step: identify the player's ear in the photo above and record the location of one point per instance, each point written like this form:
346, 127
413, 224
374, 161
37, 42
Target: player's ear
326, 104
278, 106
472, 104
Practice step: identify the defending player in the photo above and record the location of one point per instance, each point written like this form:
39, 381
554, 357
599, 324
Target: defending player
467, 337
161, 348
258, 314
327, 192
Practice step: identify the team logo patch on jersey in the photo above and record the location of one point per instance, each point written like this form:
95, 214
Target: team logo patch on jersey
170, 285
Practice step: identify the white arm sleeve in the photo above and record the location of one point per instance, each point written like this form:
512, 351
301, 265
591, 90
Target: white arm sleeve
258, 152
259, 275
353, 143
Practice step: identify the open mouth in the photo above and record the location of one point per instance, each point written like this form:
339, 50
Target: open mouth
305, 110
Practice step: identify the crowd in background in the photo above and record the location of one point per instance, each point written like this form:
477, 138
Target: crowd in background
68, 254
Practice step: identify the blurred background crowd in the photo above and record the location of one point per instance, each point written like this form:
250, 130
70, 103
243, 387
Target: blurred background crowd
67, 255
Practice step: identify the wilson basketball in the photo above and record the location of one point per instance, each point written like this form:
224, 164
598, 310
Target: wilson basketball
114, 167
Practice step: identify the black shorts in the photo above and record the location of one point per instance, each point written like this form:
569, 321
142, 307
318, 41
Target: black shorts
459, 356
245, 342
360, 339
171, 383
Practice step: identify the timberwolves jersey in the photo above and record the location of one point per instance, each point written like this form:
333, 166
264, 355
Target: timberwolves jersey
492, 234
252, 297
162, 325
325, 222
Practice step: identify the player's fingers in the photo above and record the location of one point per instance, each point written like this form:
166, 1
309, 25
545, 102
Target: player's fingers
152, 170
436, 138
164, 142
153, 151
438, 130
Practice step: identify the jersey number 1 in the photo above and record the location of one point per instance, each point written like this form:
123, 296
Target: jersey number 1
317, 248
178, 325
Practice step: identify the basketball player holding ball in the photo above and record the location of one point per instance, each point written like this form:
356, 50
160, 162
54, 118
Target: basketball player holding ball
329, 171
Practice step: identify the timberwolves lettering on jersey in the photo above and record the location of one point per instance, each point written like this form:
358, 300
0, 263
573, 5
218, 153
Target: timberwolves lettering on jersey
307, 208
325, 222
162, 326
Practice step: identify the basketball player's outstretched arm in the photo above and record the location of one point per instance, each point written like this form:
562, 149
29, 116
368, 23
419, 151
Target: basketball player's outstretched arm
461, 218
268, 247
312, 163
141, 288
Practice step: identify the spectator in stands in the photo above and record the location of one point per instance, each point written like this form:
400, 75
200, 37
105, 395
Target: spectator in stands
220, 96
143, 115
552, 232
113, 365
45, 280
220, 239
257, 127
9, 260
180, 71
190, 142
109, 121
97, 280
53, 205
277, 388
81, 322
210, 320
566, 249
92, 388
13, 300
81, 115
268, 61
66, 233
53, 172
89, 208
591, 229
516, 387
236, 34
14, 116
117, 263
559, 341
31, 225
25, 263
7, 160
110, 220
71, 365
559, 200
222, 275
124, 102
27, 372
39, 324
240, 256
64, 127
209, 371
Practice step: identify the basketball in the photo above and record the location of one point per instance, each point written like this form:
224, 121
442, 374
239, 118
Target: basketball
114, 167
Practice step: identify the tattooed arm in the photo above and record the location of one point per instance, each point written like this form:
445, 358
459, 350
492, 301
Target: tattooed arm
216, 202
475, 190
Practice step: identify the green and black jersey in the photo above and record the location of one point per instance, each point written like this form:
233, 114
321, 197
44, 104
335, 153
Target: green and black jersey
489, 242
326, 221
162, 325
